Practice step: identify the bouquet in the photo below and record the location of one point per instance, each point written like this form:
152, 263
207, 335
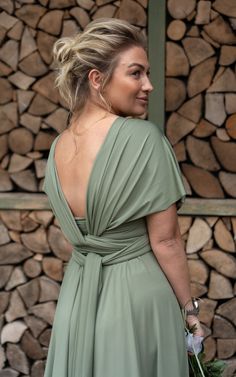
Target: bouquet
197, 366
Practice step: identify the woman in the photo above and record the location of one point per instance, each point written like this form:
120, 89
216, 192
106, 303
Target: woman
113, 183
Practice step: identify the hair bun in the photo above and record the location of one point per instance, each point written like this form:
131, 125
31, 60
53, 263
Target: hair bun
64, 50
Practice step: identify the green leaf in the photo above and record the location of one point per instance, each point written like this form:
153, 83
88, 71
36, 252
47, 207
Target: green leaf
213, 368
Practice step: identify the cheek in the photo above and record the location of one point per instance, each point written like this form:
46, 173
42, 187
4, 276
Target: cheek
123, 91
127, 82
130, 88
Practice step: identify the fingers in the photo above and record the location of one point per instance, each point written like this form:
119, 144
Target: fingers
193, 322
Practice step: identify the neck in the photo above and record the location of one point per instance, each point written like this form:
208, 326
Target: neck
91, 114
91, 111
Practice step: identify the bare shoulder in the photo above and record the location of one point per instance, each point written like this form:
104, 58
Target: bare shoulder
64, 136
64, 143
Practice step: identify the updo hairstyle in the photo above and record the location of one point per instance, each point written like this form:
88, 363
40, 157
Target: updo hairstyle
97, 47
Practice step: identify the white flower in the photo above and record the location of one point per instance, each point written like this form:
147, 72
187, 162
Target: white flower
193, 343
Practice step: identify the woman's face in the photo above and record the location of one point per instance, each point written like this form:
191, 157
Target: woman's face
129, 87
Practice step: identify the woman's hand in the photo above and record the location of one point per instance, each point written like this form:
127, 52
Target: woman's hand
193, 321
195, 337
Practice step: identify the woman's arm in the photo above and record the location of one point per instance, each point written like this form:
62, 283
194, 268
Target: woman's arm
167, 245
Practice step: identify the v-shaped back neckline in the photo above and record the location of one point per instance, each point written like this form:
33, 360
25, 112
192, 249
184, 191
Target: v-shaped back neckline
90, 175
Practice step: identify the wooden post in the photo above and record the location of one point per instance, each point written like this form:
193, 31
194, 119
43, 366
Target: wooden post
156, 52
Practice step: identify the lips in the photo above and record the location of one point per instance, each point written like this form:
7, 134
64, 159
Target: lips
143, 98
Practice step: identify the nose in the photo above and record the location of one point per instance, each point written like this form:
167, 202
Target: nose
147, 86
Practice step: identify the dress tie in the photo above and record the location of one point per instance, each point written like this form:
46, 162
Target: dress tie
108, 251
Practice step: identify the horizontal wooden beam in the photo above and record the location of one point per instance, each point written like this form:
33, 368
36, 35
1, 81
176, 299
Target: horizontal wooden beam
24, 201
208, 207
192, 206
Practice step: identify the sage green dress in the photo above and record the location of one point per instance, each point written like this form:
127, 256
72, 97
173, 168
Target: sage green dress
117, 315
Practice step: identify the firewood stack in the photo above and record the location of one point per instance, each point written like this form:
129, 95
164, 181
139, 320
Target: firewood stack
201, 94
33, 254
201, 125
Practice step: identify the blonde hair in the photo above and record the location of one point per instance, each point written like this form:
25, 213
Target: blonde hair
97, 47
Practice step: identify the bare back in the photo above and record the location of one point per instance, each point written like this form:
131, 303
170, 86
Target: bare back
73, 168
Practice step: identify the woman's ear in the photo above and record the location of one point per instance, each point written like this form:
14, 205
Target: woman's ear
95, 78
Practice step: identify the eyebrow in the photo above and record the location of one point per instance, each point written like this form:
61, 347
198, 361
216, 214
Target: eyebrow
138, 64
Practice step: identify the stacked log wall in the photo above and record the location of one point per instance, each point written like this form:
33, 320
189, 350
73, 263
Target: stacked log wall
200, 124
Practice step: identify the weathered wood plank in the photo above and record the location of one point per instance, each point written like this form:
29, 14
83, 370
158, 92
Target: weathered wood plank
208, 207
23, 201
192, 206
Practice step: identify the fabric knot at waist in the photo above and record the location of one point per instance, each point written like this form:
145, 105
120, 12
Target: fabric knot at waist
115, 246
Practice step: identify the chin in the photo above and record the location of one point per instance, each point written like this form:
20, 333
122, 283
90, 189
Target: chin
142, 113
137, 113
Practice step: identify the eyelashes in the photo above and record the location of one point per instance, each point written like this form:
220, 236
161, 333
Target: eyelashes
138, 73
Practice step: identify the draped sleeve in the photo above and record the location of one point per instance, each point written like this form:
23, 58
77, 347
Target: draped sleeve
150, 170
165, 180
